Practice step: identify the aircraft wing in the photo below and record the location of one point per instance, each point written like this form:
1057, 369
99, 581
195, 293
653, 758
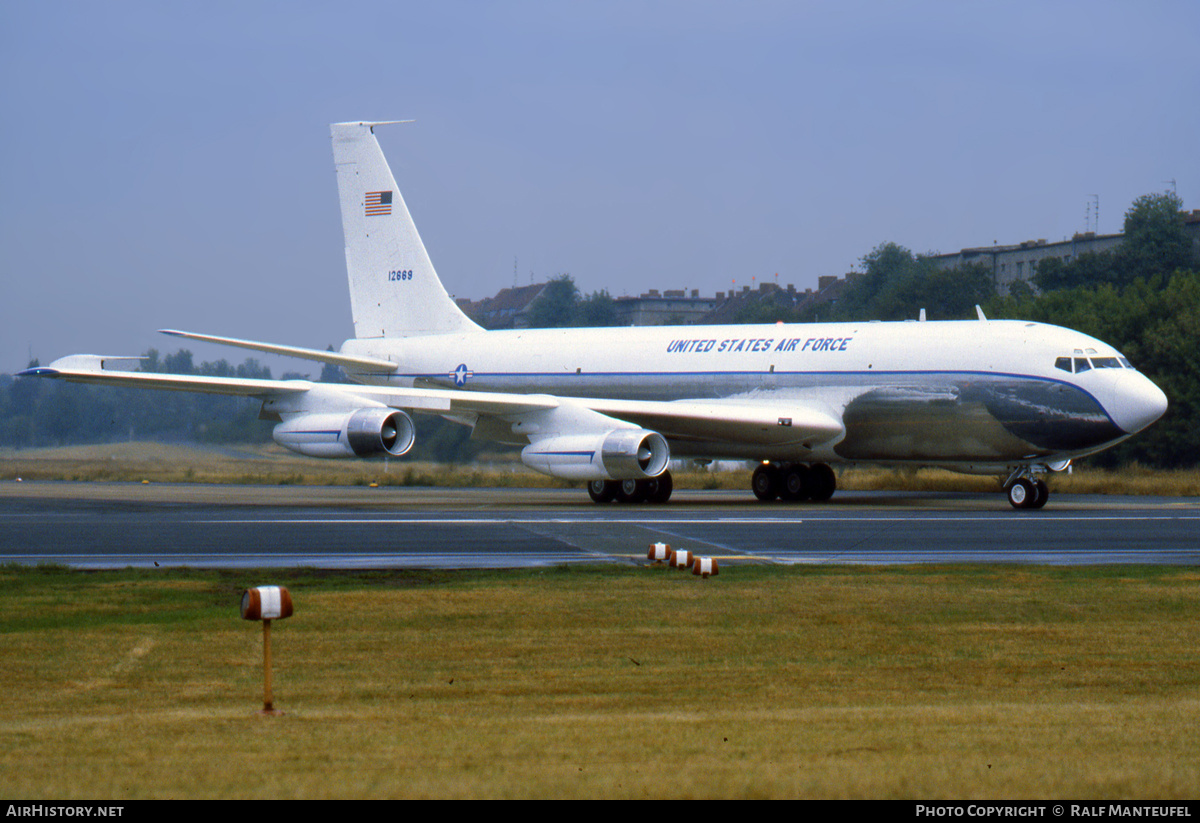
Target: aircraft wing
773, 423
89, 368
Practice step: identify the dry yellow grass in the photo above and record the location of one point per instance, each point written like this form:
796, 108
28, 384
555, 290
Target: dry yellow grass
607, 682
273, 465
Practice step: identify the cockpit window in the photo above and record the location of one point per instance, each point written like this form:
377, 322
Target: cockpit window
1082, 364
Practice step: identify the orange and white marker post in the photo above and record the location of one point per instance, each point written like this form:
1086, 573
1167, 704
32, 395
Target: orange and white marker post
267, 603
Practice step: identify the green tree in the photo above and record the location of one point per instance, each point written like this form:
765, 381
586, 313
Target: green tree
1087, 269
331, 373
896, 284
1156, 237
556, 305
1156, 244
560, 305
885, 269
597, 309
771, 307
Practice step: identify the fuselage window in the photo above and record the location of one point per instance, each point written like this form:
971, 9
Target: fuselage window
1081, 364
1063, 363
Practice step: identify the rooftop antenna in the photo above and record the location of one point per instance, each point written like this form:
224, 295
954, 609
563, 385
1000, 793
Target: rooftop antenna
1172, 182
1092, 222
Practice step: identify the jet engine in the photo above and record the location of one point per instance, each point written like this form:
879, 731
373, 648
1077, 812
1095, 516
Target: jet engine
621, 454
362, 433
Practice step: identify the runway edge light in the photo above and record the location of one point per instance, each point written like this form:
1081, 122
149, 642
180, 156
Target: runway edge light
659, 553
267, 603
681, 559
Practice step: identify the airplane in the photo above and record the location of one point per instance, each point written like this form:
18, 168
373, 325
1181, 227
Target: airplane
614, 406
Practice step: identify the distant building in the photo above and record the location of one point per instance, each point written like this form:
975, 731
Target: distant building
1192, 221
509, 309
1009, 264
733, 306
671, 307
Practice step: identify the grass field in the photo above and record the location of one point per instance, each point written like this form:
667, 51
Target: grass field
273, 465
828, 682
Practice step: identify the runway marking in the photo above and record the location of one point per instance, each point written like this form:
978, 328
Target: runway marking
337, 560
465, 560
731, 521
298, 536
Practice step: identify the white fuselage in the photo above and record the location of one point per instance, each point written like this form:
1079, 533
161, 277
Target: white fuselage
931, 392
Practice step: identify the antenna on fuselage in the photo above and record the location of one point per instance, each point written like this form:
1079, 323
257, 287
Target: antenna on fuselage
979, 314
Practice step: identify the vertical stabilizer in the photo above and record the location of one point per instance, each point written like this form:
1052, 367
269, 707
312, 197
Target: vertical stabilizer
394, 290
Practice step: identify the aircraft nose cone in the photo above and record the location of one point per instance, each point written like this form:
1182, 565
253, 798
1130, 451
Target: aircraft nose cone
1137, 402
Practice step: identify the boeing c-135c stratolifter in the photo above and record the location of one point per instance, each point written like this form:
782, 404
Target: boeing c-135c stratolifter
613, 406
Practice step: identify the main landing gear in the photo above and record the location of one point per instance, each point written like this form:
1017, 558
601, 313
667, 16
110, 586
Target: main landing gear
793, 482
653, 490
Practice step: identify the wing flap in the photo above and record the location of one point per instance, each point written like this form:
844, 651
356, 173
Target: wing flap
453, 401
760, 424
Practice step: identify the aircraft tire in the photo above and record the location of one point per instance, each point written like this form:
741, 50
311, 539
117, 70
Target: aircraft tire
1024, 494
631, 491
796, 485
765, 482
1043, 494
824, 482
602, 491
659, 488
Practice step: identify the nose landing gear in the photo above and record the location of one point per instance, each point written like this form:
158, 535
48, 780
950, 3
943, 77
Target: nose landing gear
1026, 490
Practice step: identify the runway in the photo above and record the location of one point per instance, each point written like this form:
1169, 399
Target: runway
113, 525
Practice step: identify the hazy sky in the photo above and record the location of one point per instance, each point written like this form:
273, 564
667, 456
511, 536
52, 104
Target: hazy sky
167, 164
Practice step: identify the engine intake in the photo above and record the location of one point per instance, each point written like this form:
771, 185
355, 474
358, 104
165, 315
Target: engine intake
620, 454
361, 433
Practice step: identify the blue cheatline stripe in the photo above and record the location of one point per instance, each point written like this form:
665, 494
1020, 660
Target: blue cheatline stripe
483, 377
745, 372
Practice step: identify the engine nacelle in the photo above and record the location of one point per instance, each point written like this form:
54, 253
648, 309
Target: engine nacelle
362, 433
621, 454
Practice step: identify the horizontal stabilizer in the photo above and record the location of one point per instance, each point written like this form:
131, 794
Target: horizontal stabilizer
85, 362
345, 360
